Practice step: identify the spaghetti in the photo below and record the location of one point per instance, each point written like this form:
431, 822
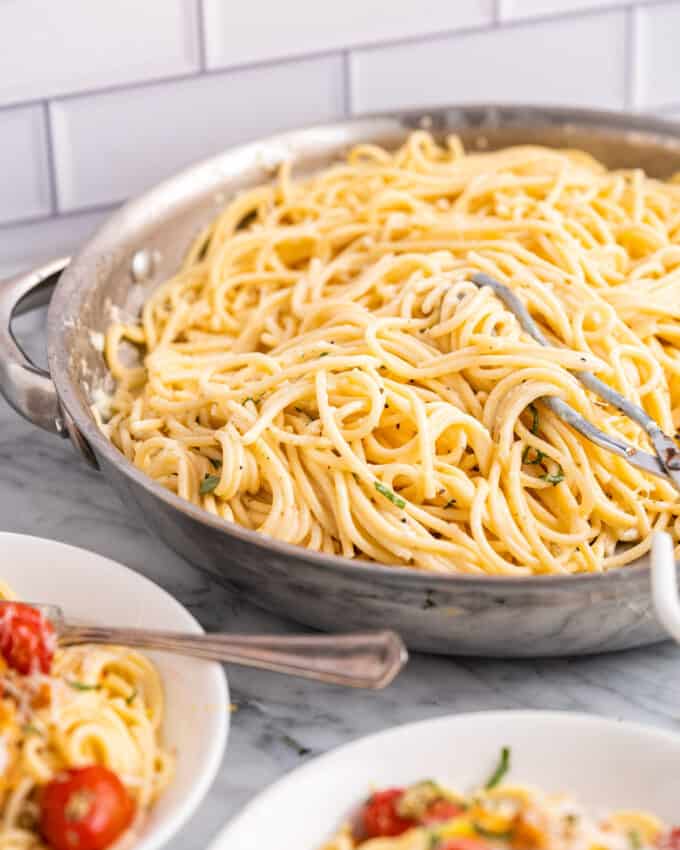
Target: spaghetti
97, 706
429, 816
322, 370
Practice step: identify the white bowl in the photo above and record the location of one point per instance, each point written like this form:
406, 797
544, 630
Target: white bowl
603, 763
93, 588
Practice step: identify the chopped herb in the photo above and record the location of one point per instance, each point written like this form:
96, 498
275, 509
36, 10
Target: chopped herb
132, 696
30, 729
489, 833
450, 503
534, 418
324, 354
501, 769
634, 840
554, 477
434, 841
527, 452
209, 483
81, 686
389, 494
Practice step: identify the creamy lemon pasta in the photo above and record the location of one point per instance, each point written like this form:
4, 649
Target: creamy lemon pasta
80, 752
322, 370
498, 816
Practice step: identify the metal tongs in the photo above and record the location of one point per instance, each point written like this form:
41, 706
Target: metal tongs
665, 463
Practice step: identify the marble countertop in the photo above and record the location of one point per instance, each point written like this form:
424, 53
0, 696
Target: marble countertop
280, 722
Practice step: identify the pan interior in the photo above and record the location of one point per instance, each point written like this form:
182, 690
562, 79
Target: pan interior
145, 241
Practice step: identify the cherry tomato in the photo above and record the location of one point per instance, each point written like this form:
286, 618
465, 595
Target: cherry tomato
27, 639
671, 841
464, 844
441, 810
85, 808
380, 818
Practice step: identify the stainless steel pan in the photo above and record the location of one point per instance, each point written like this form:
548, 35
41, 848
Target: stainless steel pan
144, 241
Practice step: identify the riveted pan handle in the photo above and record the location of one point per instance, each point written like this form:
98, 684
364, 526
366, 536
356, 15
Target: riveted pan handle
28, 388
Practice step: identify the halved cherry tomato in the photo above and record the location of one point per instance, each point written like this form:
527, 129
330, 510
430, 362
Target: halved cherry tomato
27, 639
441, 810
85, 808
671, 841
464, 844
380, 818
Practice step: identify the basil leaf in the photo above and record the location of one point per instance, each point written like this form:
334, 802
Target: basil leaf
209, 483
527, 451
81, 686
534, 418
554, 477
501, 769
489, 833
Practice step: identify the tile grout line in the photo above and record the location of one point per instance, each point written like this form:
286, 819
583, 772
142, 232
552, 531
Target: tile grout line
347, 83
118, 88
500, 12
201, 33
487, 26
634, 60
59, 216
51, 159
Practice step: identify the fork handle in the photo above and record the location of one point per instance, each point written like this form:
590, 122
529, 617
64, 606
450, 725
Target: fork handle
358, 660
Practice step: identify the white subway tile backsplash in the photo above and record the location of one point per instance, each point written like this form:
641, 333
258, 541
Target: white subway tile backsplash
658, 70
51, 48
136, 90
24, 187
25, 245
263, 29
513, 9
557, 62
113, 145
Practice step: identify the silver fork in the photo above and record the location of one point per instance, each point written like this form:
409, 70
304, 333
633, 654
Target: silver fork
356, 659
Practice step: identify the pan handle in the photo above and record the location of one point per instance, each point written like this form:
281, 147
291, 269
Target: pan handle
665, 583
28, 388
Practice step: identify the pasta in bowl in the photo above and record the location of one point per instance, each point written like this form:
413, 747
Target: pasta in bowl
503, 780
322, 370
497, 816
81, 723
94, 746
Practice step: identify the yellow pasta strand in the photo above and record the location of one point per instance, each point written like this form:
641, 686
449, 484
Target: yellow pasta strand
322, 370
